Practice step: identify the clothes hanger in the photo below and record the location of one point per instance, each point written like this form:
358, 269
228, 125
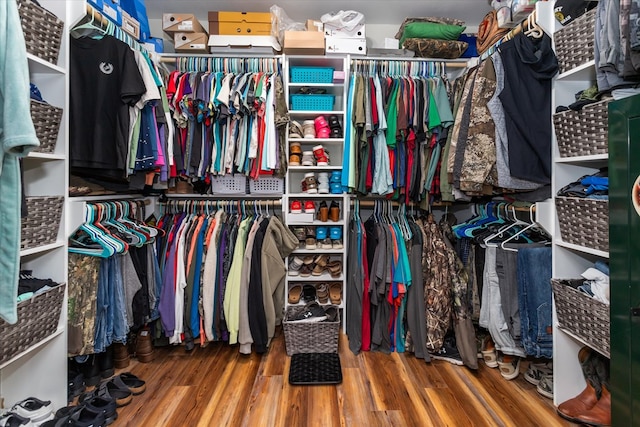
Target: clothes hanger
88, 29
521, 232
533, 30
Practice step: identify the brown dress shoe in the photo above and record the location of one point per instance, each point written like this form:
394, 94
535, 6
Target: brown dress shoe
600, 414
572, 409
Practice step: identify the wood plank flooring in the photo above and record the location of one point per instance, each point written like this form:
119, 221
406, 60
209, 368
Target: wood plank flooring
217, 386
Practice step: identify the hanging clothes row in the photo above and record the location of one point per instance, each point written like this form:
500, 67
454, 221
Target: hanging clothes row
229, 116
113, 275
222, 272
501, 138
399, 113
125, 140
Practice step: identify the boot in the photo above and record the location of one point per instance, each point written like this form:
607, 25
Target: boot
105, 362
90, 371
600, 414
144, 346
120, 355
581, 404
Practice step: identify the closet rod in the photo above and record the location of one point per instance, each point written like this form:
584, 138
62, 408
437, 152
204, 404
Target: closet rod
371, 203
97, 15
453, 63
172, 57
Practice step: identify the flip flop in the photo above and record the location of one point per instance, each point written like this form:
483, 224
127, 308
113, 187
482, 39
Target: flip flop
295, 292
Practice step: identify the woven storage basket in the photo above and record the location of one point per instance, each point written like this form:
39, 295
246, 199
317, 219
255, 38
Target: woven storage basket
581, 315
37, 319
46, 119
574, 43
229, 184
584, 222
319, 337
40, 227
266, 185
584, 132
42, 30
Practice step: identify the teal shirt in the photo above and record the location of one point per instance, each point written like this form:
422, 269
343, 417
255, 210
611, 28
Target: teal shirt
18, 137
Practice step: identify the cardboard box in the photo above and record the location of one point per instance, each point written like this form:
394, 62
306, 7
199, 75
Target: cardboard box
181, 23
344, 46
130, 25
240, 23
303, 43
262, 44
358, 32
313, 25
191, 42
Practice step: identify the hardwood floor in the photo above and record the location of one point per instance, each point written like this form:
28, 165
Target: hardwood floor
217, 386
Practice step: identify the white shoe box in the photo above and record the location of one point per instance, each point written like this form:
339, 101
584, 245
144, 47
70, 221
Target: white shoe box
357, 33
342, 45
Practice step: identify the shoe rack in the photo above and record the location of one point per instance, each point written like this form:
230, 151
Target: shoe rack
319, 216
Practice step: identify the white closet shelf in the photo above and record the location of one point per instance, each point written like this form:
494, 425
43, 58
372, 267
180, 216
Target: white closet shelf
315, 196
315, 112
583, 159
316, 223
34, 347
302, 304
314, 168
584, 71
582, 249
40, 66
43, 248
572, 335
316, 85
324, 277
316, 140
45, 156
316, 251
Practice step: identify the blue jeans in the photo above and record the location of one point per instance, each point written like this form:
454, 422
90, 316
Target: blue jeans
534, 288
111, 317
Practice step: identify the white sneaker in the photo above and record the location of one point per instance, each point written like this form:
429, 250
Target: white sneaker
34, 409
323, 183
308, 159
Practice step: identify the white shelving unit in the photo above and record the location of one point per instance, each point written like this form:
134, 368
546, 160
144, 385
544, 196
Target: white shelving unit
295, 174
41, 370
569, 259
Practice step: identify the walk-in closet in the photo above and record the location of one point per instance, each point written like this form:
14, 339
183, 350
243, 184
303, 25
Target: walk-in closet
384, 213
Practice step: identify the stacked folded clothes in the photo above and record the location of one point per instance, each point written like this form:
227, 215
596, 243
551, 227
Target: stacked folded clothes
595, 186
432, 37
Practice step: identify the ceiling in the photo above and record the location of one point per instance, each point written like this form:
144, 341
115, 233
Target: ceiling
375, 11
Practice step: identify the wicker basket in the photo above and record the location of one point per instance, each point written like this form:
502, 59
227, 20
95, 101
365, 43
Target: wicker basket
42, 31
266, 185
584, 222
46, 119
581, 315
41, 225
574, 43
319, 337
37, 319
584, 132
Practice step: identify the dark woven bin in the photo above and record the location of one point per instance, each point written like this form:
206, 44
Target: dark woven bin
319, 337
37, 319
46, 119
584, 222
584, 132
41, 225
42, 30
574, 43
580, 315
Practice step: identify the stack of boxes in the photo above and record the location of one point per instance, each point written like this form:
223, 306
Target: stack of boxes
344, 41
241, 30
324, 38
188, 35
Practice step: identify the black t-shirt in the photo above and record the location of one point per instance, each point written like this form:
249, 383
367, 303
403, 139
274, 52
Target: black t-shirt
104, 80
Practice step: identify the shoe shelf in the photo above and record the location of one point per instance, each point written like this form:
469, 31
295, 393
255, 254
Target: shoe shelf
316, 112
324, 277
315, 196
318, 251
316, 223
321, 85
317, 140
315, 168
581, 249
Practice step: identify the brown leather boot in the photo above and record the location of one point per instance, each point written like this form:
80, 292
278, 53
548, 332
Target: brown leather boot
600, 414
572, 409
144, 346
120, 355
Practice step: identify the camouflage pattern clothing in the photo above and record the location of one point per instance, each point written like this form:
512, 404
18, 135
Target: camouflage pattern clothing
437, 278
83, 294
432, 48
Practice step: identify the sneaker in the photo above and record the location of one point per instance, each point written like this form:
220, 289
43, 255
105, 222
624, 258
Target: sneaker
323, 183
308, 159
320, 155
311, 313
310, 182
321, 235
309, 207
488, 350
310, 240
308, 129
333, 315
335, 188
295, 265
335, 233
536, 371
336, 176
296, 207
295, 130
448, 352
509, 366
13, 419
300, 233
322, 127
34, 409
545, 386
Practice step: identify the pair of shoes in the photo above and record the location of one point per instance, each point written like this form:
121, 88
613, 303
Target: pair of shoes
295, 264
320, 264
331, 212
335, 182
295, 130
309, 184
322, 238
104, 361
545, 385
295, 154
308, 129
509, 366
535, 372
321, 155
488, 351
310, 239
308, 158
336, 128
300, 234
322, 127
30, 411
333, 313
322, 293
310, 313
448, 352
296, 207
75, 380
120, 355
94, 410
335, 233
